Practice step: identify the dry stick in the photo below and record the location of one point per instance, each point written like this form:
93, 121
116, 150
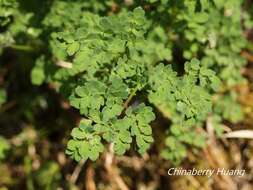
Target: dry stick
246, 134
64, 64
129, 2
90, 184
247, 55
7, 106
194, 182
211, 153
73, 178
113, 172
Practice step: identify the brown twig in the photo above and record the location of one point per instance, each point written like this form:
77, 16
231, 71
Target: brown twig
247, 55
74, 176
90, 184
246, 134
7, 106
112, 171
64, 64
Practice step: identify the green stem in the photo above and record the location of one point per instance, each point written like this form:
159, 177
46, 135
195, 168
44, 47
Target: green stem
21, 47
130, 97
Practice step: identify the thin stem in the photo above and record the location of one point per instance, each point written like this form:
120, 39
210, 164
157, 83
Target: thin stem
112, 170
21, 47
130, 97
7, 106
76, 172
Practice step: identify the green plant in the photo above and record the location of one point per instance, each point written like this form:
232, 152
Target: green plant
2, 96
4, 147
112, 62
